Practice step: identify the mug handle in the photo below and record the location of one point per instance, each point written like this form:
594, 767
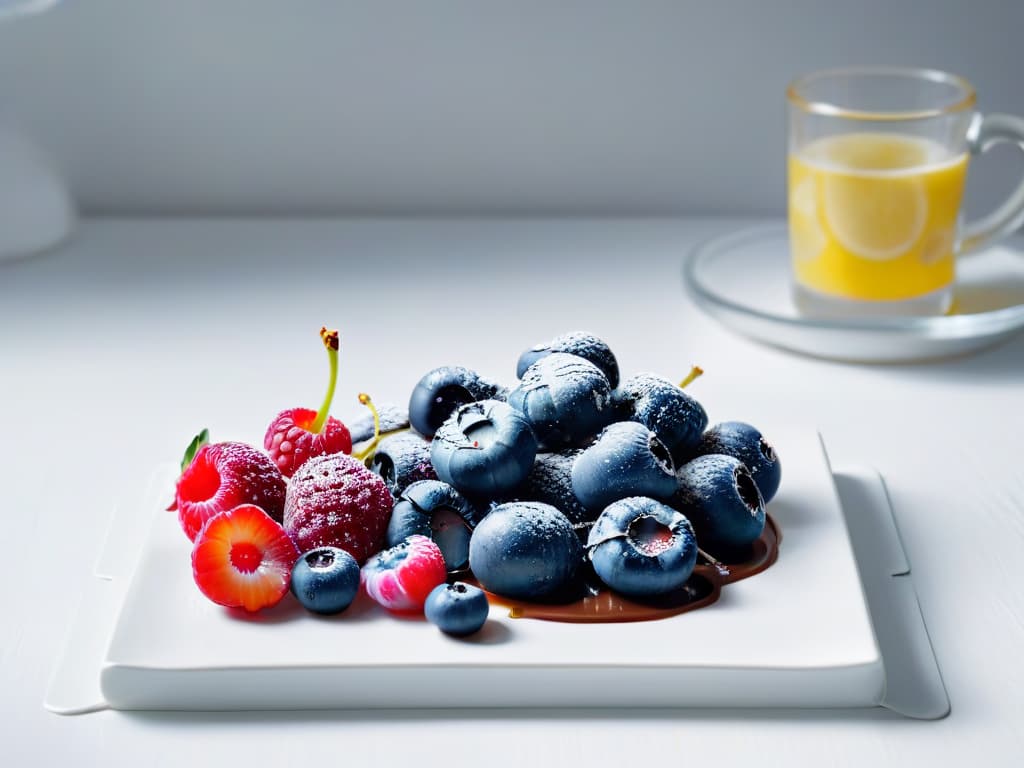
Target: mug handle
985, 132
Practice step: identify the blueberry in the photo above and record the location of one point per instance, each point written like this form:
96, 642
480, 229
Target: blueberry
458, 609
392, 418
719, 496
484, 448
434, 509
676, 418
402, 460
444, 389
627, 459
550, 481
325, 580
639, 546
565, 398
583, 345
744, 442
525, 550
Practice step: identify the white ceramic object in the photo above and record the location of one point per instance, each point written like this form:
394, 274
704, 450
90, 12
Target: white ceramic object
13, 8
36, 210
742, 279
798, 634
795, 635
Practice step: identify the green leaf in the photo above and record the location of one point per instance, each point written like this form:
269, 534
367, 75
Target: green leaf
193, 448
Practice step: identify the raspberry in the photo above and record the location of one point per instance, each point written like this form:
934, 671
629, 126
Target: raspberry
400, 578
222, 476
243, 559
291, 441
334, 501
298, 434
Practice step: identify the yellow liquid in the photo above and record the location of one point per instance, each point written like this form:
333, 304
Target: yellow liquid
874, 216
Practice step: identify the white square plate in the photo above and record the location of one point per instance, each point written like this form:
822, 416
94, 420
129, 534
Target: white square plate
798, 634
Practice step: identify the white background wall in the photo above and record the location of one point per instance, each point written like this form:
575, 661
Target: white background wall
318, 106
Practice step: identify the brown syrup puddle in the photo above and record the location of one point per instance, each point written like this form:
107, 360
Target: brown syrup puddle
703, 588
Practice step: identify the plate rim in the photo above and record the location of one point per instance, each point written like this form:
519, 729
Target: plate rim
978, 326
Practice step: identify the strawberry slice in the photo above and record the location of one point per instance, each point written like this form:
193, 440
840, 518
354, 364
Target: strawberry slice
243, 559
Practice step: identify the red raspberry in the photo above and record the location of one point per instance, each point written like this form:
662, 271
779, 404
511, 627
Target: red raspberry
222, 476
243, 559
290, 440
298, 434
400, 578
334, 501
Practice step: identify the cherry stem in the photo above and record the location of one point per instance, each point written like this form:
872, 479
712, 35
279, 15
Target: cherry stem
372, 446
695, 373
330, 340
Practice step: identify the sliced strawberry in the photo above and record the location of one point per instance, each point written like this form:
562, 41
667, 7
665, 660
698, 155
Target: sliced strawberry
243, 559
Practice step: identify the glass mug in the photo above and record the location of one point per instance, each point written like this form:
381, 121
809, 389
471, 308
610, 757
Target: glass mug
877, 163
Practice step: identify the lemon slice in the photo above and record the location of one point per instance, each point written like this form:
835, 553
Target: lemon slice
803, 201
806, 236
874, 216
937, 246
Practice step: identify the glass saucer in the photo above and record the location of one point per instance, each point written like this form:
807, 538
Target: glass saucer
742, 279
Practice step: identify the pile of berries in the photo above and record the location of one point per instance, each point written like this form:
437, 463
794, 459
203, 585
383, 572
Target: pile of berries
570, 474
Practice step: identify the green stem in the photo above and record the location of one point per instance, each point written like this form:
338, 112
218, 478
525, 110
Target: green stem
193, 448
330, 339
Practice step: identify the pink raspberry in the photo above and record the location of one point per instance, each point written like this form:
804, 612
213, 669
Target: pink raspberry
223, 476
400, 578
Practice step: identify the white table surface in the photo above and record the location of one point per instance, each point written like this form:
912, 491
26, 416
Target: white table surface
118, 347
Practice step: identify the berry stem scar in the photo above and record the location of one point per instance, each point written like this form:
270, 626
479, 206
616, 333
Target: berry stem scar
330, 339
695, 372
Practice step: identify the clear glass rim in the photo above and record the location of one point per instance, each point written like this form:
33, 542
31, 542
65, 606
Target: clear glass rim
935, 327
795, 93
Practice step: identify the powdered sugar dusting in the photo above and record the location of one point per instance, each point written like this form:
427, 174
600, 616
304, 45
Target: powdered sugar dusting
550, 482
335, 501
